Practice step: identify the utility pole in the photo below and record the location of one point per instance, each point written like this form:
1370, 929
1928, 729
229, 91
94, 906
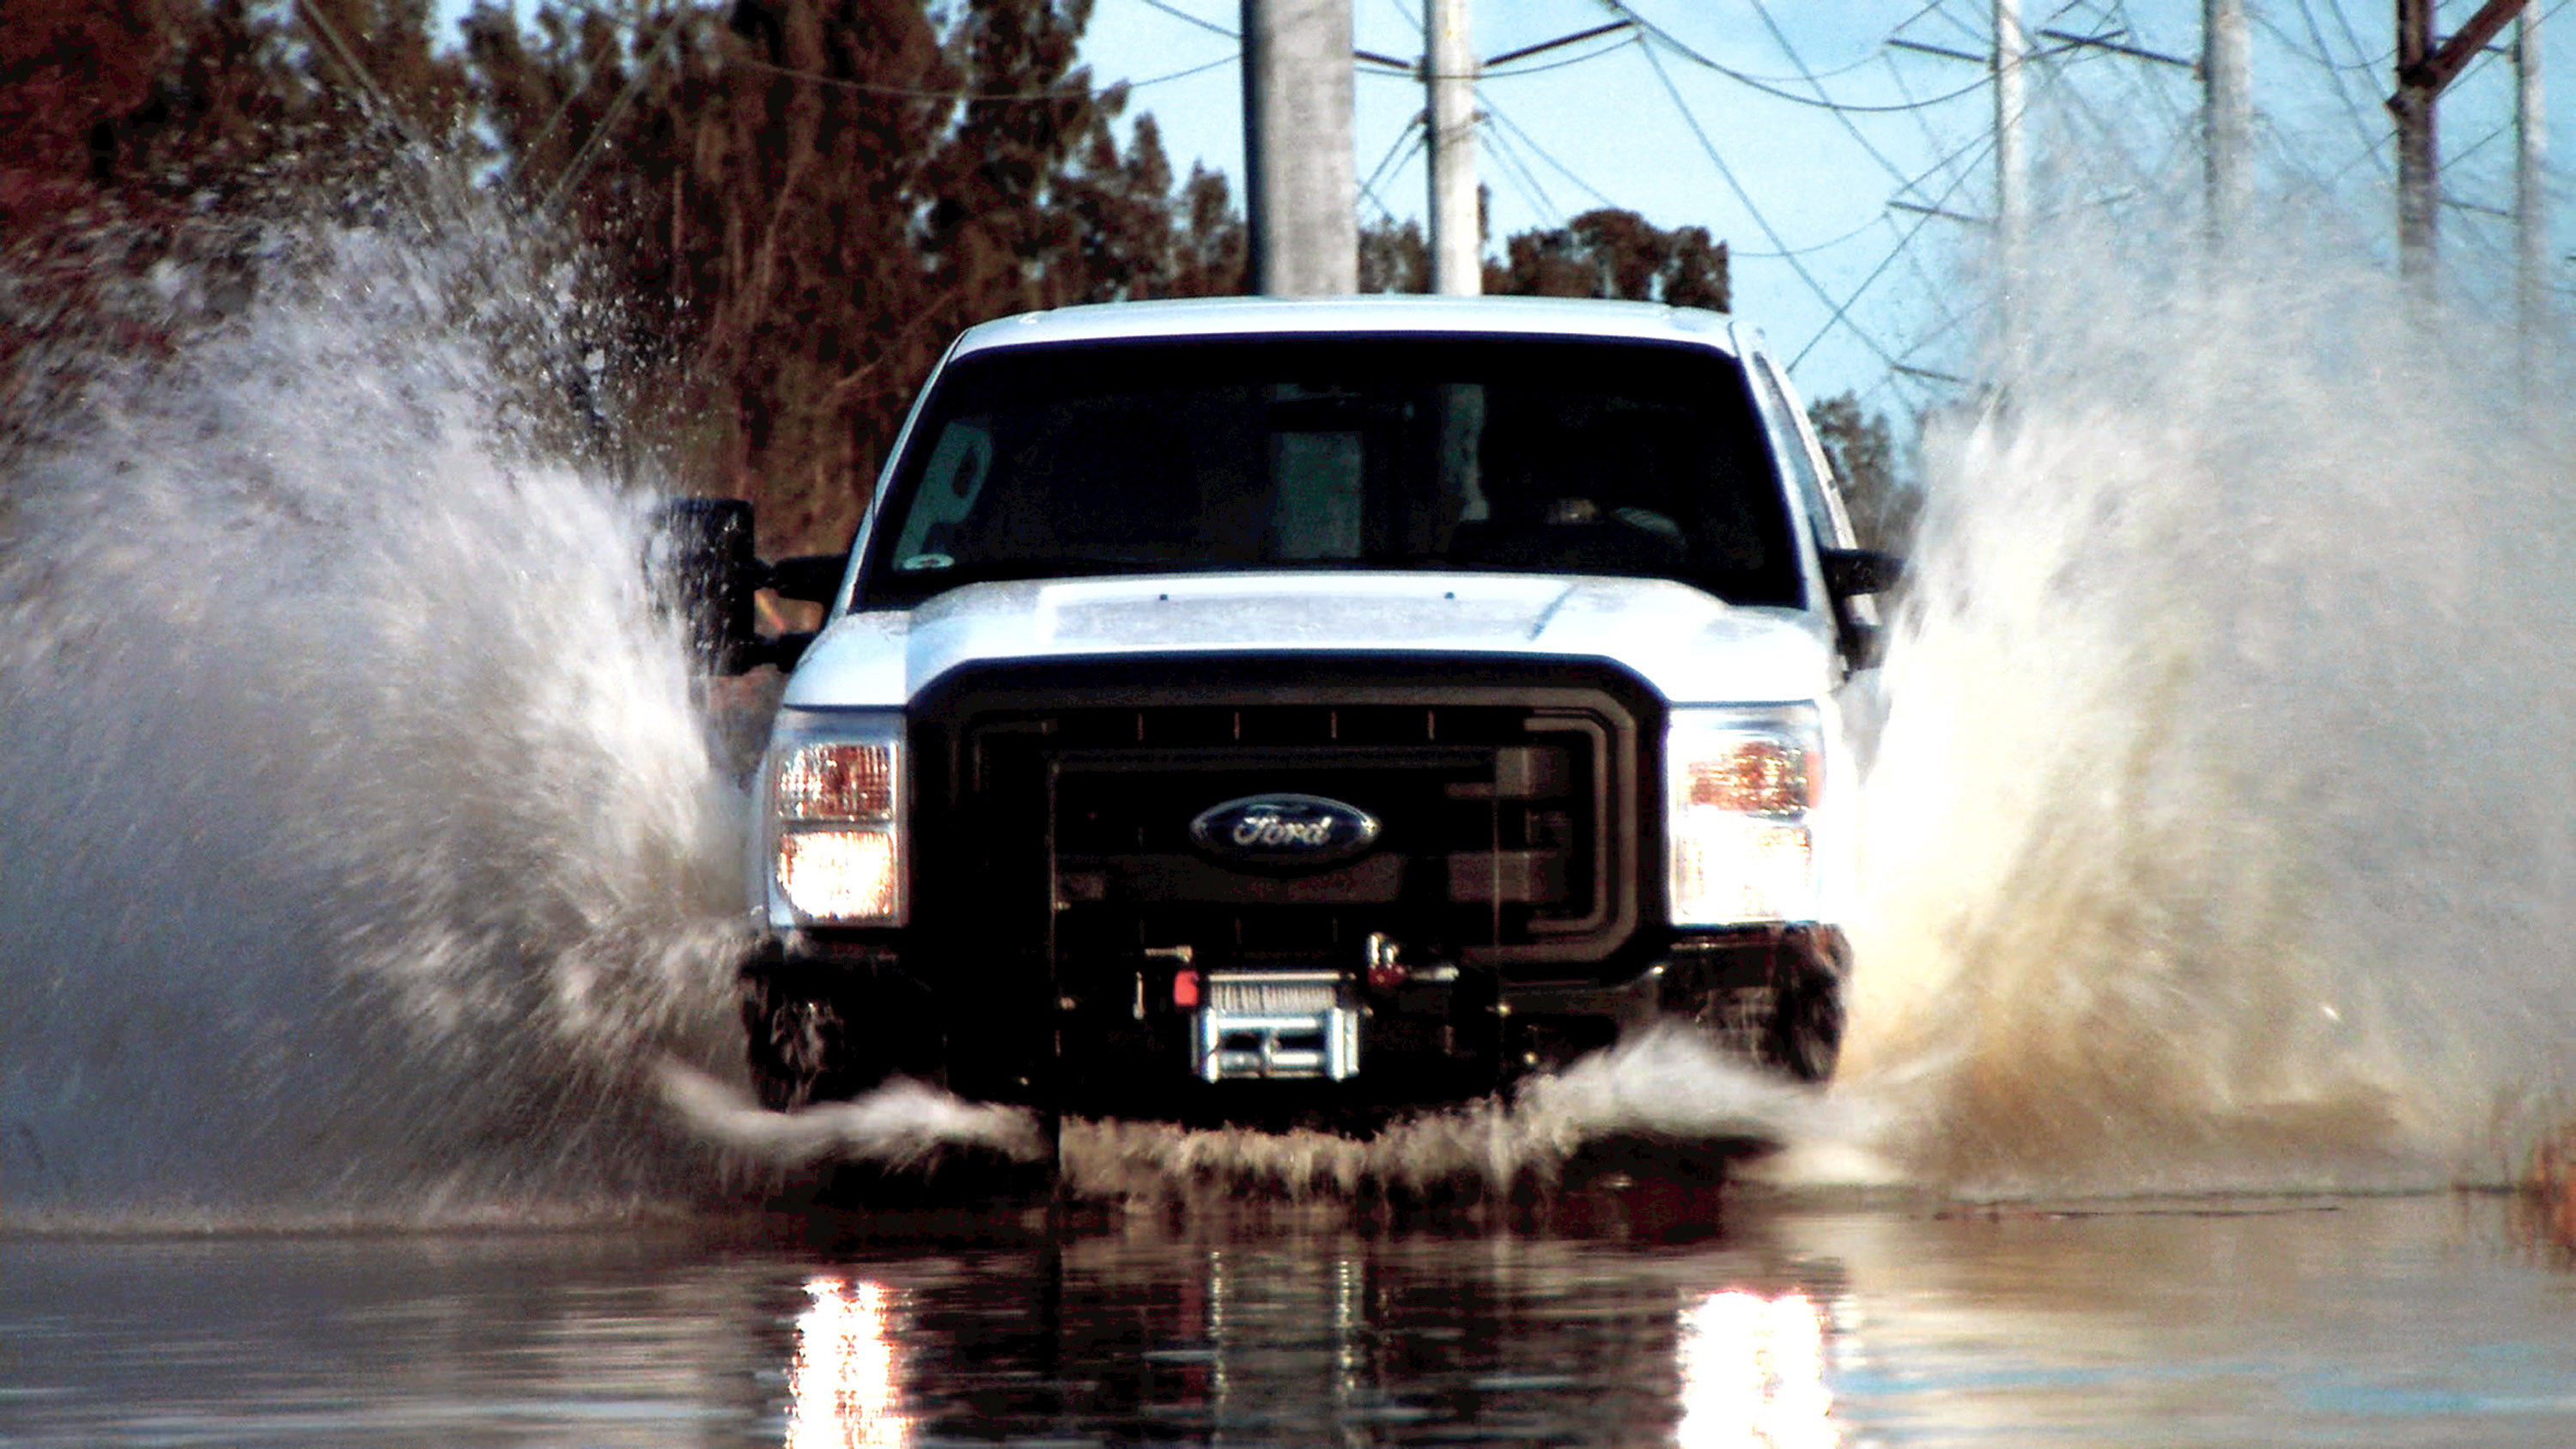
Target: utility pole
2531, 224
1449, 71
2424, 71
2227, 116
2012, 175
2412, 105
1300, 183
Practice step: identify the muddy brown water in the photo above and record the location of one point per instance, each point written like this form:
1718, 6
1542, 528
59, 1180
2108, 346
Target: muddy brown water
1626, 1316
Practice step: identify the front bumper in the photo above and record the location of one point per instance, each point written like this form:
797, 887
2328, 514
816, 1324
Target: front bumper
1168, 1040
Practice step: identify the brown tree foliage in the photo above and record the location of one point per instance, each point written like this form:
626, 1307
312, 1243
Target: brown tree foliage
792, 203
139, 141
808, 198
1862, 447
1614, 253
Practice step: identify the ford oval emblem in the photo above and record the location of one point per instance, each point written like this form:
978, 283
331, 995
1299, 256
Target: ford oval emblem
1292, 830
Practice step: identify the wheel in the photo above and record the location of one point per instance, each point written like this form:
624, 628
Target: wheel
794, 1040
1804, 1037
830, 1035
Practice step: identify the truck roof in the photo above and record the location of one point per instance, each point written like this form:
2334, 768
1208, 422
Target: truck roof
1314, 316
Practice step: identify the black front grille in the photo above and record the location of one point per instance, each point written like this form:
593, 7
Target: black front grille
1057, 801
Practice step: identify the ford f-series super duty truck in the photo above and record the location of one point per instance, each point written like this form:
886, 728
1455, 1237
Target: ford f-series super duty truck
1287, 711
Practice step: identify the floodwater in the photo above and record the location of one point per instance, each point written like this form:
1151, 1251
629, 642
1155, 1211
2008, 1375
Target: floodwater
1621, 1316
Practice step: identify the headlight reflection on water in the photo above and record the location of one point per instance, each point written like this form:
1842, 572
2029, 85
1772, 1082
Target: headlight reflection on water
1753, 1374
845, 1388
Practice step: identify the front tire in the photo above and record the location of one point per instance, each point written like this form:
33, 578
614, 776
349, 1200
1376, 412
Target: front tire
1805, 1034
795, 1041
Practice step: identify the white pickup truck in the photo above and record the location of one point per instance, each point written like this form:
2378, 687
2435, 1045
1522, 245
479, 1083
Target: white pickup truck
1292, 711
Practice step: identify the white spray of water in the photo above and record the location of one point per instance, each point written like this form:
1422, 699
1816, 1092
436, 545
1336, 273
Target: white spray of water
2220, 829
903, 1124
363, 843
1668, 1084
364, 855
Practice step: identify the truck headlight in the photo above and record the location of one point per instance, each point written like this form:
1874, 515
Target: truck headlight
834, 786
1741, 788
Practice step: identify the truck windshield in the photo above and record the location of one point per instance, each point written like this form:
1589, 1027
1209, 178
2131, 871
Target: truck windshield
1578, 457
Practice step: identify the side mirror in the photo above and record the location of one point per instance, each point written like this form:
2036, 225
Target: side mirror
703, 567
1851, 572
814, 577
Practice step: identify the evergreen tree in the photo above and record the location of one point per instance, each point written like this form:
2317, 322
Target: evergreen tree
1862, 447
1614, 253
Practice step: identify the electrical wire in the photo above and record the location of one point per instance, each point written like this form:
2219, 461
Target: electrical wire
1841, 116
2316, 51
1904, 244
1805, 251
1516, 72
2336, 72
1518, 172
1796, 264
1495, 113
2343, 21
1667, 39
1941, 9
609, 118
1368, 188
1410, 128
918, 93
973, 97
1178, 13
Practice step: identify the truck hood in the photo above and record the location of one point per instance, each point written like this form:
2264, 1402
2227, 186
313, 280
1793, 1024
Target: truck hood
1691, 648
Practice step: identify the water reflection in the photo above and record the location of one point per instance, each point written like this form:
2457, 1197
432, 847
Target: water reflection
845, 1387
1753, 1373
2423, 1321
1162, 1331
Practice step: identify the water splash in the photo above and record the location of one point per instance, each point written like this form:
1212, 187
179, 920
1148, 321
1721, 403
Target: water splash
366, 858
904, 1124
2220, 829
1667, 1084
363, 838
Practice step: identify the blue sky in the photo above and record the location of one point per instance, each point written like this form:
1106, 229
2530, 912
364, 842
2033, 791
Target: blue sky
2110, 129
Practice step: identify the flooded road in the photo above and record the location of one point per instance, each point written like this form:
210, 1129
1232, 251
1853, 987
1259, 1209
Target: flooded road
1617, 1319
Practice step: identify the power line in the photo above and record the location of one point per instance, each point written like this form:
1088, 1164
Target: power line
2321, 53
1368, 188
1516, 72
917, 93
1796, 264
1411, 127
609, 118
1495, 113
1525, 139
1841, 116
1805, 251
1904, 243
1518, 172
2336, 72
1178, 13
1674, 44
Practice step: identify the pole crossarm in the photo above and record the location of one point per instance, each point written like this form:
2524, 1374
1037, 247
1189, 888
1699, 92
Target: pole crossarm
1961, 217
1526, 51
1901, 43
2434, 74
2116, 46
